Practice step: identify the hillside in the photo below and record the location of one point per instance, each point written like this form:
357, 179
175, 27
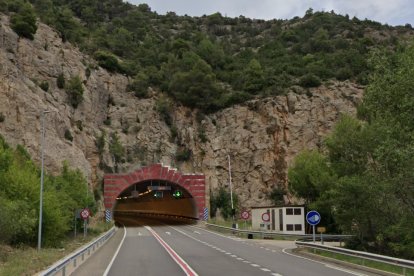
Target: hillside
184, 91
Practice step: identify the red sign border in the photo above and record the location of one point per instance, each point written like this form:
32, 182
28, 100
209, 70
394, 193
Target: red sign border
89, 213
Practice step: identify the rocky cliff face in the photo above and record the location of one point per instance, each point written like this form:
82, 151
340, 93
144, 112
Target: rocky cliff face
261, 136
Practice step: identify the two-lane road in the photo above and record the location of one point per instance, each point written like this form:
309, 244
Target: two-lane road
180, 250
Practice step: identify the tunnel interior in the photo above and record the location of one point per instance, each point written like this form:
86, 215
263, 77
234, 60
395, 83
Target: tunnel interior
153, 202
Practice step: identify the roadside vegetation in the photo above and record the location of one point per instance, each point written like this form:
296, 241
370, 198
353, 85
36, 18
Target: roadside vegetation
26, 260
362, 182
19, 207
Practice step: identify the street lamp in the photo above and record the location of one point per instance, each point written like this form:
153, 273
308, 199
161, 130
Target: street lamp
231, 193
39, 239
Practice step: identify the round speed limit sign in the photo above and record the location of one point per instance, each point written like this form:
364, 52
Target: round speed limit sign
266, 217
85, 213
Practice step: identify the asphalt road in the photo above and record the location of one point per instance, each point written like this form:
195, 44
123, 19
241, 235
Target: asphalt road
160, 249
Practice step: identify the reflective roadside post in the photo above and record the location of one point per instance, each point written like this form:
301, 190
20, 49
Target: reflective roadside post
42, 140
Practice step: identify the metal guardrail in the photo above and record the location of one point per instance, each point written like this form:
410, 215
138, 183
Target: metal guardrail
326, 237
404, 264
61, 265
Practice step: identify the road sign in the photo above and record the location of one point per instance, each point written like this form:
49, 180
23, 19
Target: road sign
313, 217
85, 213
245, 215
321, 229
266, 217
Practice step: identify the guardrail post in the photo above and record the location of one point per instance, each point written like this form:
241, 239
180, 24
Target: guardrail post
74, 262
64, 271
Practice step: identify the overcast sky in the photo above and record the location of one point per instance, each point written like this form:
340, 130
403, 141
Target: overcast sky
392, 12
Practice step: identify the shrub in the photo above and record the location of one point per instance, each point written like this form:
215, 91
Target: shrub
107, 122
68, 135
60, 81
309, 80
74, 89
108, 61
24, 21
183, 154
2, 117
100, 142
44, 85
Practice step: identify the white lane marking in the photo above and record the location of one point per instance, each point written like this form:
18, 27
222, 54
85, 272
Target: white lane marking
116, 254
276, 274
227, 253
168, 233
139, 234
344, 270
197, 232
180, 261
325, 264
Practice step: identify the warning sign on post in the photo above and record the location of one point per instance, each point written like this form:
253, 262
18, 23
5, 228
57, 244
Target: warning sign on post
85, 214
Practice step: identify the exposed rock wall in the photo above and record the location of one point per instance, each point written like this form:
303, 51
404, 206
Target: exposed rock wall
261, 136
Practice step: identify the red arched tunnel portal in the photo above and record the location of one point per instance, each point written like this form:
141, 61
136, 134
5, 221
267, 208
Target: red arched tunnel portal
117, 186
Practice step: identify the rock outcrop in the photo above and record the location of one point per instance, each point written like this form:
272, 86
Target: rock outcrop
261, 136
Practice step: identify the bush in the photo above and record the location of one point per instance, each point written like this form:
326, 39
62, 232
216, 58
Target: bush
309, 80
100, 142
74, 89
2, 117
60, 82
183, 154
68, 135
24, 21
44, 85
108, 61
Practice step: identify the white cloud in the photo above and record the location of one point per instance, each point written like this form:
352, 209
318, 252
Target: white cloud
395, 12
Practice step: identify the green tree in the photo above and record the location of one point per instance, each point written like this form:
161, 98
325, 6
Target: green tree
24, 21
116, 148
253, 77
220, 199
74, 89
310, 176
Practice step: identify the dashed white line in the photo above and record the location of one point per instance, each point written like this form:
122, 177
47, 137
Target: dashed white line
255, 265
265, 269
234, 256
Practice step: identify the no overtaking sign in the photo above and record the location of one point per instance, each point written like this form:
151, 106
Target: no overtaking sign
85, 213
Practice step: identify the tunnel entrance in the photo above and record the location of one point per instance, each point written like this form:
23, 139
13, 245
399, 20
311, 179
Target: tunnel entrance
157, 192
156, 199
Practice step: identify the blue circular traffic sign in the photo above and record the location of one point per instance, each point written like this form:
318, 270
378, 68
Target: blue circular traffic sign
313, 217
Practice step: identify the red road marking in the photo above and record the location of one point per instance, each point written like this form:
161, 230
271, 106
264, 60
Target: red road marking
184, 266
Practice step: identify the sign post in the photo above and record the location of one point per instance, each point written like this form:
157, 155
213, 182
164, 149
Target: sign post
85, 213
313, 218
245, 215
321, 230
